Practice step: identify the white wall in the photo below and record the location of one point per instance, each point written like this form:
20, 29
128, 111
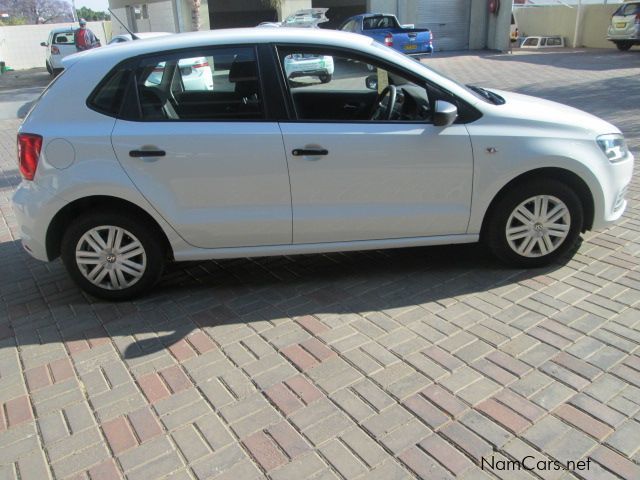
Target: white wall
20, 45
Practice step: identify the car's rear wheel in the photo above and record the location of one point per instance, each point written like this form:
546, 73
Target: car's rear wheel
325, 78
113, 255
624, 46
535, 223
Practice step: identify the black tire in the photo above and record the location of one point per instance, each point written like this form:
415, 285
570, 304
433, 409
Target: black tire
49, 69
495, 235
624, 46
145, 232
325, 78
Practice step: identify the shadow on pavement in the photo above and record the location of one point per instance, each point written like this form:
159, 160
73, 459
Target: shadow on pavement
211, 293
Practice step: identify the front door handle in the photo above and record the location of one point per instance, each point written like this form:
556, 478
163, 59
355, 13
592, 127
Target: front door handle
309, 152
147, 153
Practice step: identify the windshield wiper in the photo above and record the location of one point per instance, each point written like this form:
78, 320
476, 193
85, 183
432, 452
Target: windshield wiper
489, 95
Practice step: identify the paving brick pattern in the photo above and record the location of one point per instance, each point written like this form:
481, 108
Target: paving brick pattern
377, 365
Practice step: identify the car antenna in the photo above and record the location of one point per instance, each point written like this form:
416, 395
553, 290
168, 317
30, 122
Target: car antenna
133, 35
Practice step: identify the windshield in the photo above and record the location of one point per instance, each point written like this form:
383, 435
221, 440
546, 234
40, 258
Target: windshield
477, 92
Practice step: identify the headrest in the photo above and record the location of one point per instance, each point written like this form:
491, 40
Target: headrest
243, 70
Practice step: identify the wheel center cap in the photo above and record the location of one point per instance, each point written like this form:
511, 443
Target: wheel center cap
111, 258
538, 227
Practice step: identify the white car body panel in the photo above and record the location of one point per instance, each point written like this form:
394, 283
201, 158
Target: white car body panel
233, 210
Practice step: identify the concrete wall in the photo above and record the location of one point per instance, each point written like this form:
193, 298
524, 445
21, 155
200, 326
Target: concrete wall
20, 45
560, 20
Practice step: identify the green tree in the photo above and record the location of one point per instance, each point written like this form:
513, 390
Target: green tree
91, 15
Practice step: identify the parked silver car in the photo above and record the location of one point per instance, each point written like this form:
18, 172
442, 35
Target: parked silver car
624, 30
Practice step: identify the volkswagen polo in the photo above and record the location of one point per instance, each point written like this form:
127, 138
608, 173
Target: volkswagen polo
121, 175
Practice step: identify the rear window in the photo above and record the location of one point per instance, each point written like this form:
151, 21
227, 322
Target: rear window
628, 9
64, 38
108, 96
373, 23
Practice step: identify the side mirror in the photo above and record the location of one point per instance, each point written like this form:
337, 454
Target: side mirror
44, 44
372, 82
444, 114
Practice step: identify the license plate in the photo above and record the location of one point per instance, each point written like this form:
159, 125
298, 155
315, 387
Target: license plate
410, 47
621, 24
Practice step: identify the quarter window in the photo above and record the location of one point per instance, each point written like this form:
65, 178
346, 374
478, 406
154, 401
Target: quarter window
214, 84
108, 97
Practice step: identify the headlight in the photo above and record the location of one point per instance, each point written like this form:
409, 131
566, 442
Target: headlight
613, 146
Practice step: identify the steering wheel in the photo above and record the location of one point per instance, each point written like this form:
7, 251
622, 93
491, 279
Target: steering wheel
380, 112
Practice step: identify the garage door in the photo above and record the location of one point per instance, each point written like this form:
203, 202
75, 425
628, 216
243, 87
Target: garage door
448, 20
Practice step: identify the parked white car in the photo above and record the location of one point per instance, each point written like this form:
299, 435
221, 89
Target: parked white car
196, 72
121, 177
61, 43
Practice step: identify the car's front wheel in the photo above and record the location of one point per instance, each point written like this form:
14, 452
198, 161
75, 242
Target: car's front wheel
113, 256
325, 78
534, 224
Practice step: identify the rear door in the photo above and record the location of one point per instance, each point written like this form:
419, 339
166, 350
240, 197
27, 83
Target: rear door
207, 158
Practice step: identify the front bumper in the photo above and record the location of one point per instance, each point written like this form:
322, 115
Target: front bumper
615, 187
35, 207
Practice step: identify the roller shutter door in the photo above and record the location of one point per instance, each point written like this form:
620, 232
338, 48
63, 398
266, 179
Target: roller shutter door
448, 20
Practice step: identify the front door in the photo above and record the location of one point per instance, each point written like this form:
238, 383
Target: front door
358, 175
202, 152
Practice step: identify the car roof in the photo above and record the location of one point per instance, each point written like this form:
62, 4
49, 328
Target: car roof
142, 35
236, 36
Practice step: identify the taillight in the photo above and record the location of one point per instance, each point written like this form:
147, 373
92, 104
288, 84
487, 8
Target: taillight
55, 50
637, 18
201, 65
29, 147
388, 40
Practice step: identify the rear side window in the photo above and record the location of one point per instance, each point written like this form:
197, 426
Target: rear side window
213, 84
108, 96
373, 23
64, 38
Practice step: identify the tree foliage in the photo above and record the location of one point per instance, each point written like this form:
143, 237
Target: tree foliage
37, 11
91, 15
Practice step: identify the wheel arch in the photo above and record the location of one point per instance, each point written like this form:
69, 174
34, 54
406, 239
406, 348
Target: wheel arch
66, 215
567, 177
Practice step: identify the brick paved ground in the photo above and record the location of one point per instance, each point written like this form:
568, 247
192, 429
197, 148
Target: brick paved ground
376, 365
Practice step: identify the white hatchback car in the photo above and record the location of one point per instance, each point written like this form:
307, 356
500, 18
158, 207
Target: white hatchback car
121, 177
60, 44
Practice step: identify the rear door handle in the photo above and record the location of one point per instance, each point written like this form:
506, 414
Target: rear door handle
309, 152
147, 153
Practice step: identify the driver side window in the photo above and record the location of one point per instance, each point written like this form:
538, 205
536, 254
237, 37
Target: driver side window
328, 87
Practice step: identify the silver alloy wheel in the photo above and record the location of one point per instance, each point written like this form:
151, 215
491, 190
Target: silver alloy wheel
538, 226
111, 257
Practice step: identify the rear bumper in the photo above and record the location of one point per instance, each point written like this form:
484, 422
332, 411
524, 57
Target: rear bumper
34, 208
418, 51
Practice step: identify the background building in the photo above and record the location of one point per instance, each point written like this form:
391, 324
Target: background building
456, 24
